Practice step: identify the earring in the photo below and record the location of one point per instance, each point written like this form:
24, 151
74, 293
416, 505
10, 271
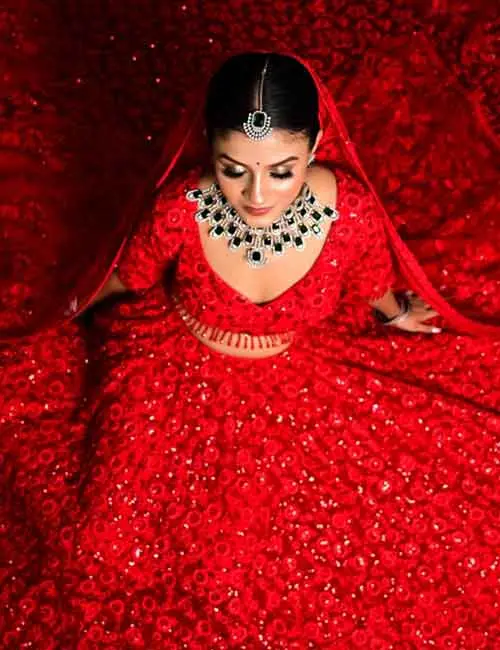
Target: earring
311, 160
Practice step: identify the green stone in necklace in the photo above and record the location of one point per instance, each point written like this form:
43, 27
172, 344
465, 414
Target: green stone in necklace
302, 219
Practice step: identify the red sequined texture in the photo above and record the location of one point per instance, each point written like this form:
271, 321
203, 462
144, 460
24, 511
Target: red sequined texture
354, 260
158, 495
340, 494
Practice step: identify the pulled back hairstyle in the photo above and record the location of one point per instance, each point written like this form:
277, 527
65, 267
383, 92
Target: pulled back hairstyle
290, 96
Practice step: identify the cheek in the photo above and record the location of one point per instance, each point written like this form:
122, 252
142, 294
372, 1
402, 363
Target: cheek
287, 190
279, 192
231, 188
289, 185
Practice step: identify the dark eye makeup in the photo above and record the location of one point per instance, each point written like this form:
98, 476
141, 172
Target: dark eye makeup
231, 173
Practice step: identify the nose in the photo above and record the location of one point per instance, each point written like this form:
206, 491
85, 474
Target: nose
254, 191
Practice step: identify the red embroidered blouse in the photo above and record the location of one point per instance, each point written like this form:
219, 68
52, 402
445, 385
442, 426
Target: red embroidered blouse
355, 259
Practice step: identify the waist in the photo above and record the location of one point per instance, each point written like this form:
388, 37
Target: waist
231, 341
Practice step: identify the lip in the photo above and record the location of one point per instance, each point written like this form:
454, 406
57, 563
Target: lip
257, 212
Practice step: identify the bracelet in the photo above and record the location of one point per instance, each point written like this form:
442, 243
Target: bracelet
405, 308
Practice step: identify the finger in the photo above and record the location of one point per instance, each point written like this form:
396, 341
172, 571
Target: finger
418, 302
428, 329
428, 314
423, 314
421, 309
419, 305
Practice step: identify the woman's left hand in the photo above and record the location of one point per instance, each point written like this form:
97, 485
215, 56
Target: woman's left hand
420, 312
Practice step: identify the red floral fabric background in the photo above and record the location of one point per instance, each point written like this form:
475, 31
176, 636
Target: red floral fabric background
91, 91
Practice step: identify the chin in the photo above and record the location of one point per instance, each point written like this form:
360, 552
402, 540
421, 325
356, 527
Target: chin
261, 221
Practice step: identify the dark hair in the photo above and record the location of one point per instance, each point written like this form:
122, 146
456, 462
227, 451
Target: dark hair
290, 96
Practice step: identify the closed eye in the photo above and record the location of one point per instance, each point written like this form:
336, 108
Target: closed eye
282, 175
232, 173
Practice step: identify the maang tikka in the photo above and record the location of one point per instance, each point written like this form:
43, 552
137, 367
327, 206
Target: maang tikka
258, 123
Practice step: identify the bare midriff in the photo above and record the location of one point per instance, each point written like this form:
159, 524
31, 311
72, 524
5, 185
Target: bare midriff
236, 344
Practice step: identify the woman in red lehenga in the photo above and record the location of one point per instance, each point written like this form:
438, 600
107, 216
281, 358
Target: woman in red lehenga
252, 477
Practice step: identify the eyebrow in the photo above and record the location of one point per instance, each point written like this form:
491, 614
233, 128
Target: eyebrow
276, 164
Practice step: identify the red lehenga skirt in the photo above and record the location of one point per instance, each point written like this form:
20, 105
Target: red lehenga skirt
344, 494
341, 494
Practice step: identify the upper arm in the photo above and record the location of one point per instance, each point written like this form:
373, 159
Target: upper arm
206, 181
155, 242
371, 271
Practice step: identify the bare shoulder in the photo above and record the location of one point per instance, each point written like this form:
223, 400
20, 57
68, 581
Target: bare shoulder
206, 181
323, 184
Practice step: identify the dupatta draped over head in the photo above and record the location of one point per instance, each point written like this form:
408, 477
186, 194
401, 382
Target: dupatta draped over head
55, 261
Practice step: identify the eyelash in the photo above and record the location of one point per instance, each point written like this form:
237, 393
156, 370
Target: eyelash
231, 174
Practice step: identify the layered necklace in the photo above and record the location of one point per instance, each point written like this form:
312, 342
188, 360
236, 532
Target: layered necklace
302, 219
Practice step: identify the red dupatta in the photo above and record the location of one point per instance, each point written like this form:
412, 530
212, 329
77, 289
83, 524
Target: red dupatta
186, 146
337, 147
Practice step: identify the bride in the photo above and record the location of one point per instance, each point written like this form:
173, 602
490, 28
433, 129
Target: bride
249, 480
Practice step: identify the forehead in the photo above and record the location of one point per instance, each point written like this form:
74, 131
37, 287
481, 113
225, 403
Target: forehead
279, 145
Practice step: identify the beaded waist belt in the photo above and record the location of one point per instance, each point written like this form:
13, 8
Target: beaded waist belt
240, 340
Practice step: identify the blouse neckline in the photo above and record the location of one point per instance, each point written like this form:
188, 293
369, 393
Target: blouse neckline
200, 251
